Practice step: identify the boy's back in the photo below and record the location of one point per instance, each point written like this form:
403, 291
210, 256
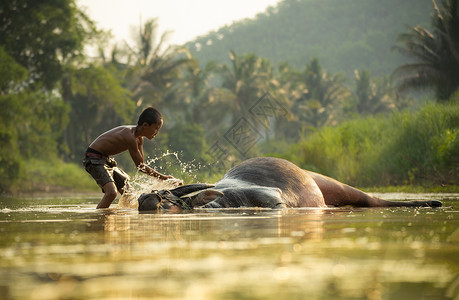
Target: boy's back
115, 141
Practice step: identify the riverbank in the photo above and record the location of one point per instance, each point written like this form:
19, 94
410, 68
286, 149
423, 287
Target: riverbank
45, 189
58, 178
415, 189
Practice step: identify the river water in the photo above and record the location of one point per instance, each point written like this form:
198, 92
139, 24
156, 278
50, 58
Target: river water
63, 248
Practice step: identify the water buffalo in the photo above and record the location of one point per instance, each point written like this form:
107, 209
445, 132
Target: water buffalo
271, 183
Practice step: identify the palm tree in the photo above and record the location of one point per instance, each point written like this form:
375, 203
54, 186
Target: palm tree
435, 54
372, 97
323, 92
200, 101
156, 69
288, 89
246, 78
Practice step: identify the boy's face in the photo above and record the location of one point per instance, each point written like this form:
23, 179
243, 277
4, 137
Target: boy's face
150, 131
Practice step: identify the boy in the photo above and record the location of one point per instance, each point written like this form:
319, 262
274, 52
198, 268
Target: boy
102, 167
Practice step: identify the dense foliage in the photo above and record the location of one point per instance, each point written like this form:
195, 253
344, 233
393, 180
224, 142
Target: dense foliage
403, 148
55, 99
435, 54
35, 40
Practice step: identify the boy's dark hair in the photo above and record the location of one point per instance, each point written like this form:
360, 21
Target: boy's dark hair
150, 115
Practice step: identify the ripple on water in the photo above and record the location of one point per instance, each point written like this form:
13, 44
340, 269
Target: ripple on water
58, 250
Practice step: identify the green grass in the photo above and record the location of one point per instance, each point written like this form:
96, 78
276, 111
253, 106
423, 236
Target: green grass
406, 148
413, 189
54, 176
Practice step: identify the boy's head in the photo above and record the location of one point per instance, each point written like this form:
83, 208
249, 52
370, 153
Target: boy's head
150, 122
150, 116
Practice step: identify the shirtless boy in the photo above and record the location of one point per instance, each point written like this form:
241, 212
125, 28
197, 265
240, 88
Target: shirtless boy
101, 166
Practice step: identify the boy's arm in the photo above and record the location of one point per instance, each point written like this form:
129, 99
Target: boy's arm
138, 158
149, 171
140, 147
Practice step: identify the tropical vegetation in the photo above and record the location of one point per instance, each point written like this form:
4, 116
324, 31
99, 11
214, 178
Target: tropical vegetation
354, 126
402, 148
435, 53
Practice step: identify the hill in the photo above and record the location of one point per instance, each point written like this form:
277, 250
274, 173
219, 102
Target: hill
344, 35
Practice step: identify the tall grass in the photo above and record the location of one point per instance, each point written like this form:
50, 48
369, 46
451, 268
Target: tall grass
54, 176
405, 148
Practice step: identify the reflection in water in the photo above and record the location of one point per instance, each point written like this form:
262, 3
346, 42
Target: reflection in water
125, 227
64, 248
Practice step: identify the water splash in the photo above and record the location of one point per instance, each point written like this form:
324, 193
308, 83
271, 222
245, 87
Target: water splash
170, 162
141, 183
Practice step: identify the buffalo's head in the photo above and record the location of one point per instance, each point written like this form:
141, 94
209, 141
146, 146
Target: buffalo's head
183, 197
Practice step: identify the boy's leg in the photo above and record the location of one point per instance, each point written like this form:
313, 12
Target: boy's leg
102, 174
109, 195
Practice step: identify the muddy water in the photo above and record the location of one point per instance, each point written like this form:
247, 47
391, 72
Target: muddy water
61, 248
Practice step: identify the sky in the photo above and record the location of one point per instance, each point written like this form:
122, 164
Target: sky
187, 19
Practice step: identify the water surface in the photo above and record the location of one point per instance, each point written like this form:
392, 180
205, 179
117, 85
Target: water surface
62, 247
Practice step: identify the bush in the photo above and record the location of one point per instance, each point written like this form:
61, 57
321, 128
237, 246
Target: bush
54, 176
404, 148
425, 147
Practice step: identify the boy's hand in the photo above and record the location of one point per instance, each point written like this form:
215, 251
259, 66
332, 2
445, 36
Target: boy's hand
174, 181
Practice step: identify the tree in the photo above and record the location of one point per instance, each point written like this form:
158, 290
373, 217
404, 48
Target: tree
200, 101
98, 102
36, 38
39, 35
12, 75
246, 78
372, 97
288, 89
156, 68
196, 90
323, 92
435, 54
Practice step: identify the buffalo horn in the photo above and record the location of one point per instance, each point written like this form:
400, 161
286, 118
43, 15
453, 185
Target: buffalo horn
190, 188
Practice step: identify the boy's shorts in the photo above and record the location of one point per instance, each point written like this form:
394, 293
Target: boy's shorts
104, 170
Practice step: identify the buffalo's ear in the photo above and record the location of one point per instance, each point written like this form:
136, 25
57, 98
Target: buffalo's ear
205, 197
